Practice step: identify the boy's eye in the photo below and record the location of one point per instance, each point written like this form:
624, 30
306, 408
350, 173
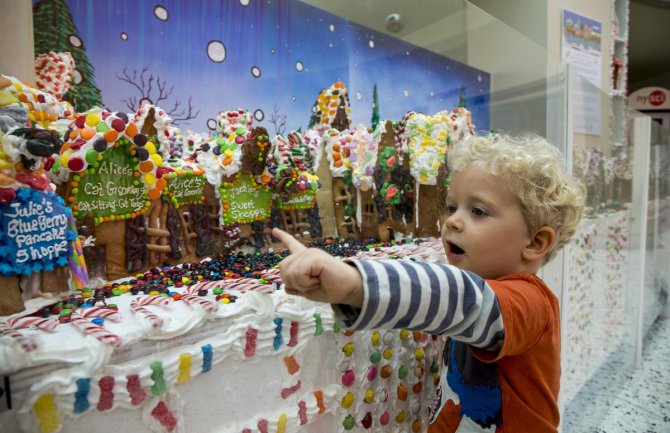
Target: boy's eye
478, 211
451, 209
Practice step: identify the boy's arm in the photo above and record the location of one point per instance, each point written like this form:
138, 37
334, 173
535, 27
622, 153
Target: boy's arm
439, 299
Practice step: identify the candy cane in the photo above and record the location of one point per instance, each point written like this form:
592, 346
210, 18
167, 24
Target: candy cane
245, 284
206, 285
138, 306
32, 322
272, 275
207, 304
27, 343
105, 313
80, 319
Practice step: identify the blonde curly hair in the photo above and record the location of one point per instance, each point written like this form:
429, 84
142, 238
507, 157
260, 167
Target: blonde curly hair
534, 172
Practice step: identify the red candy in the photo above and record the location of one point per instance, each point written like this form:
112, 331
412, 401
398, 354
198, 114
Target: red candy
106, 385
36, 182
75, 164
164, 416
367, 420
302, 412
250, 347
294, 334
7, 195
137, 394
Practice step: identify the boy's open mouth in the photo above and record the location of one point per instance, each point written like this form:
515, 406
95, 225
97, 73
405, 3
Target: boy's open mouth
455, 249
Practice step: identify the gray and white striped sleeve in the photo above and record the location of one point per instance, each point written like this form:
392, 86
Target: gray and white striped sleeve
439, 299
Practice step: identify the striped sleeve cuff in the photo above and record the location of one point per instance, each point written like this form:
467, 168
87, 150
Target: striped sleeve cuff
439, 299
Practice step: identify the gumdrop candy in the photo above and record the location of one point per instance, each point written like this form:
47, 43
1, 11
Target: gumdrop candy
137, 394
157, 376
163, 415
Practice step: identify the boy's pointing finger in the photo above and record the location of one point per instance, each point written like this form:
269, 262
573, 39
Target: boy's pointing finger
289, 241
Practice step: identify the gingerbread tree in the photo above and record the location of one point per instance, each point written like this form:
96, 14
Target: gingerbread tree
64, 37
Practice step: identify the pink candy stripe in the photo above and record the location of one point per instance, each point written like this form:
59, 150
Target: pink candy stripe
94, 330
37, 322
138, 306
207, 304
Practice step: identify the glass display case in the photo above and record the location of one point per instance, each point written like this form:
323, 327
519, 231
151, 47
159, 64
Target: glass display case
381, 60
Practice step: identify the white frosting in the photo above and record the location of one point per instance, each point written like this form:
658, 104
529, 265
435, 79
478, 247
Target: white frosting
241, 389
161, 121
363, 157
227, 163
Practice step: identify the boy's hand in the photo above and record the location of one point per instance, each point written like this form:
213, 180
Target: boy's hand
318, 276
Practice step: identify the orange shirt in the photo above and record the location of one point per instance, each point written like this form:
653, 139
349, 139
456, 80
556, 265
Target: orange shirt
528, 363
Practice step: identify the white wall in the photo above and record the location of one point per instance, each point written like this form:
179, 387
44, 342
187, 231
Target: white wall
517, 65
17, 46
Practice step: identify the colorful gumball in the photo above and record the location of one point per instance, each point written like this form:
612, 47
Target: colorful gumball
149, 179
142, 154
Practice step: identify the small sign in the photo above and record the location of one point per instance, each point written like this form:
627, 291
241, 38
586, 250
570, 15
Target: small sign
185, 188
112, 189
244, 201
650, 98
297, 202
34, 233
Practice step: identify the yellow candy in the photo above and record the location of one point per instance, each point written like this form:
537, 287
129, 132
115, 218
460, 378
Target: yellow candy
47, 413
228, 152
64, 158
348, 348
150, 148
369, 395
184, 368
92, 119
347, 400
153, 293
149, 178
400, 418
404, 334
157, 159
375, 338
86, 294
281, 423
388, 353
225, 300
419, 354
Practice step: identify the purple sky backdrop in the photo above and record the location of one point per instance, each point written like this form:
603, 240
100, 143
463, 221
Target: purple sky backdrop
297, 51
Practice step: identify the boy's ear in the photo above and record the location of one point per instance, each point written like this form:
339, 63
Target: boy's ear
539, 244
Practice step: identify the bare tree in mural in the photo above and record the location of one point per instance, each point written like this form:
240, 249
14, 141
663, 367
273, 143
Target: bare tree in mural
278, 120
154, 90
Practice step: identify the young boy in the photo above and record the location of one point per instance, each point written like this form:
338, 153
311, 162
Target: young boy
510, 207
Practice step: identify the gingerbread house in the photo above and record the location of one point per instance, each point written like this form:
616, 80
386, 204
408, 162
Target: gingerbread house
112, 176
170, 225
40, 250
243, 196
427, 140
394, 188
330, 115
296, 183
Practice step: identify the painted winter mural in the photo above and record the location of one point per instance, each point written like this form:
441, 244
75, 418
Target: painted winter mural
271, 57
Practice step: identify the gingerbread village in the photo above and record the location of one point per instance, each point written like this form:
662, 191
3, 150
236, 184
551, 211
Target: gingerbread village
88, 198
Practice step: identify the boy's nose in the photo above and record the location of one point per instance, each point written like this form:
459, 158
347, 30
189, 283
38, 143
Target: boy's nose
453, 222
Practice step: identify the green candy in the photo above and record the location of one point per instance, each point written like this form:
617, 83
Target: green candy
402, 372
101, 127
349, 422
158, 377
92, 156
376, 357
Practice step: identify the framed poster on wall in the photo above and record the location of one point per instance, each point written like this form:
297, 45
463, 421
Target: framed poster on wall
581, 46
